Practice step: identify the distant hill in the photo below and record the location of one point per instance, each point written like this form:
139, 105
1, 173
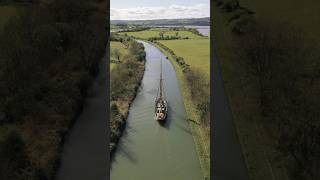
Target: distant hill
166, 22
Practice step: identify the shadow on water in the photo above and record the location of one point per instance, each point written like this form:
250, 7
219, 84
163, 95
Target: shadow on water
123, 150
170, 121
122, 146
164, 123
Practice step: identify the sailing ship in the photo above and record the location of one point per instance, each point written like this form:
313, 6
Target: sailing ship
161, 107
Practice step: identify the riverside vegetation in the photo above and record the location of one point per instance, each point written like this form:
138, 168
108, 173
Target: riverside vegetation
125, 78
49, 54
193, 74
273, 84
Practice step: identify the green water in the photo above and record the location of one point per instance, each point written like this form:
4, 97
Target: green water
148, 150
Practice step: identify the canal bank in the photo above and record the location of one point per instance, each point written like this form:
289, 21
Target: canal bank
148, 150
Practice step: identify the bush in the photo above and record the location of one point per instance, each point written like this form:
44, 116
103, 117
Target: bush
200, 91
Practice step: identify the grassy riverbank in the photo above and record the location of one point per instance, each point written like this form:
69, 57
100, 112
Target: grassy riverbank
49, 57
193, 73
125, 79
261, 100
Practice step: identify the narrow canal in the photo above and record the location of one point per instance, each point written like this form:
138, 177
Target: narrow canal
148, 150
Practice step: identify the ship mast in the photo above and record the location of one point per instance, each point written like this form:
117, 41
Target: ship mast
161, 78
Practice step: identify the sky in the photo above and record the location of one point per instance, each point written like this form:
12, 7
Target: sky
158, 9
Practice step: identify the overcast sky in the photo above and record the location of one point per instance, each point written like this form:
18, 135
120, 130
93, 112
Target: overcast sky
158, 9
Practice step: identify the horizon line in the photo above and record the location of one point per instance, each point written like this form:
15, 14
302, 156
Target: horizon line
156, 19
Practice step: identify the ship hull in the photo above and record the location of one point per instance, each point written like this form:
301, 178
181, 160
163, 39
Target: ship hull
161, 110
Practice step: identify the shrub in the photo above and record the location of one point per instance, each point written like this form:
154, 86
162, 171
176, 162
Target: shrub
200, 91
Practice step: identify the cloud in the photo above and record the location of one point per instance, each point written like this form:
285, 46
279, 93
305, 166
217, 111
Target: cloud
171, 12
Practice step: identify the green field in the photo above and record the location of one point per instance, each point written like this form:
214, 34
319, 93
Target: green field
6, 11
155, 33
120, 47
196, 52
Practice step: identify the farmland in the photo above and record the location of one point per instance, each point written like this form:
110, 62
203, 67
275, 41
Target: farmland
198, 58
156, 33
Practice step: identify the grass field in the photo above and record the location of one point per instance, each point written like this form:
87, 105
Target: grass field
121, 48
196, 52
6, 11
155, 33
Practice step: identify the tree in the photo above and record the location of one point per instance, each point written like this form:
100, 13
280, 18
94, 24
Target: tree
161, 33
117, 54
177, 33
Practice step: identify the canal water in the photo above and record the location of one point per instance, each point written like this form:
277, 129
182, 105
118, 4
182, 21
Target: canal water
148, 150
